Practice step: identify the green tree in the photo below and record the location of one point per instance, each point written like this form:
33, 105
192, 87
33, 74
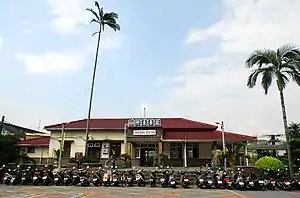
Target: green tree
233, 154
269, 163
101, 19
282, 66
10, 153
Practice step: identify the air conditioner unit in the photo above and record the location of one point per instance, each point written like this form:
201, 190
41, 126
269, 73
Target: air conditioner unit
90, 145
97, 145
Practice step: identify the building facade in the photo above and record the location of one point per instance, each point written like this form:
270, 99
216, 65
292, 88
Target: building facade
149, 141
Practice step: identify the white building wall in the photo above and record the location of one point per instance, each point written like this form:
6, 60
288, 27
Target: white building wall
39, 152
78, 143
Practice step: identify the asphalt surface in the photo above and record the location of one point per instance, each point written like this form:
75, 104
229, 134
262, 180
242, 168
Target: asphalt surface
133, 192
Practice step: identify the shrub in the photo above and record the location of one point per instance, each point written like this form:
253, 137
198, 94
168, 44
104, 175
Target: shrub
269, 163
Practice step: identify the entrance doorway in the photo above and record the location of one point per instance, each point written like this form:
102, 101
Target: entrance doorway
148, 154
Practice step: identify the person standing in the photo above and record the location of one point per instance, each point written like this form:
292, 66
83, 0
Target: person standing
113, 158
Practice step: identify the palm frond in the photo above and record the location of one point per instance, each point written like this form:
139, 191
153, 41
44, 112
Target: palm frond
96, 33
93, 12
109, 16
266, 81
252, 79
261, 57
288, 52
114, 26
94, 21
100, 10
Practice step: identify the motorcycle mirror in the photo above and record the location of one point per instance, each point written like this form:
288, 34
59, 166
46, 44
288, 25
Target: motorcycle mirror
133, 167
157, 168
168, 167
73, 167
99, 168
3, 166
126, 170
18, 166
238, 169
88, 167
46, 165
92, 172
111, 167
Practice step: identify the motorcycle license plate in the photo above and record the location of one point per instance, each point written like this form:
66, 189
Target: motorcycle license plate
65, 179
44, 177
261, 182
5, 178
162, 180
81, 180
186, 180
172, 182
74, 176
241, 183
13, 179
251, 183
219, 182
229, 183
151, 180
201, 180
129, 179
209, 181
298, 183
94, 180
272, 182
114, 180
287, 183
34, 177
55, 179
23, 179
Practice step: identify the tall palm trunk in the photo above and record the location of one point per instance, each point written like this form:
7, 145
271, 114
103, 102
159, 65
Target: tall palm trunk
286, 129
91, 95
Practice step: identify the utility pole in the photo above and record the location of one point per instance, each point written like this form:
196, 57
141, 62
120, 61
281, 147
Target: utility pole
62, 135
2, 124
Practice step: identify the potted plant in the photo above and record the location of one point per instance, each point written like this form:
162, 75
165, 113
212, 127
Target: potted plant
126, 160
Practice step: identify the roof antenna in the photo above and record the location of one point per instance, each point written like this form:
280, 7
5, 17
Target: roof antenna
39, 125
144, 112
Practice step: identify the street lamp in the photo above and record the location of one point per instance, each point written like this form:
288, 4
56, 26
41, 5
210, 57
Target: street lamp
221, 124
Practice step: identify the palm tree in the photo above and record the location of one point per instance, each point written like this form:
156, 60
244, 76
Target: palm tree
101, 19
281, 65
294, 129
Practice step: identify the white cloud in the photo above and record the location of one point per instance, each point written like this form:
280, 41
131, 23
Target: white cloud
50, 62
27, 31
58, 62
214, 88
69, 15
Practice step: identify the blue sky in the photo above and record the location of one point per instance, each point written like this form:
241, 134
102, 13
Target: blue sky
47, 67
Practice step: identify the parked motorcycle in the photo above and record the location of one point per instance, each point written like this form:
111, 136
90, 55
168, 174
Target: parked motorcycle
107, 177
7, 177
130, 178
84, 178
59, 178
97, 177
164, 181
172, 180
218, 179
115, 179
152, 179
48, 177
184, 179
239, 180
140, 178
209, 180
27, 176
227, 181
68, 178
38, 177
16, 176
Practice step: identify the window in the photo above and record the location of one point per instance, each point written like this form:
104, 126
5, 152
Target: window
176, 150
31, 150
117, 148
192, 150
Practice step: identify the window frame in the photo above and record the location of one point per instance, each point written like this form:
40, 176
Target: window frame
30, 151
178, 147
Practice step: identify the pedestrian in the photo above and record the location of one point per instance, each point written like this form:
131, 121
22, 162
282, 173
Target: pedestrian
113, 158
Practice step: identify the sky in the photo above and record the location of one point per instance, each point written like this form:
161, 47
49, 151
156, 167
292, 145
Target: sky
176, 59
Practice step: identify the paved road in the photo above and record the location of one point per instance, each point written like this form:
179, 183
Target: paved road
132, 192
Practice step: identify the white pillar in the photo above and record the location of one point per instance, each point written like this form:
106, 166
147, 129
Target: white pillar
184, 154
246, 153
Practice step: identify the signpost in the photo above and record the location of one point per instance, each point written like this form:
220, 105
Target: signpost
144, 122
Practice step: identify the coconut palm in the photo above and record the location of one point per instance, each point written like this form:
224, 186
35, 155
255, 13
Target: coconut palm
282, 66
101, 19
294, 129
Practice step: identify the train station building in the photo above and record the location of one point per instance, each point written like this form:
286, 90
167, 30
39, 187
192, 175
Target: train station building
149, 141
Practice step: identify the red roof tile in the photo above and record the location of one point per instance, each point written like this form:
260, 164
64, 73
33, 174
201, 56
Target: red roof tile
118, 123
42, 141
207, 136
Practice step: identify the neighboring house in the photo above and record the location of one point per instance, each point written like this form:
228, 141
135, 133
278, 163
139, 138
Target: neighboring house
8, 128
36, 148
181, 141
